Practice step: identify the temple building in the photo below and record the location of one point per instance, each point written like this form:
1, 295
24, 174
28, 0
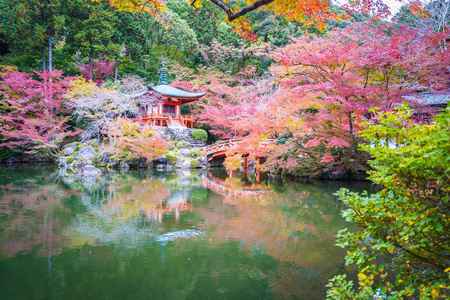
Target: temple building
167, 110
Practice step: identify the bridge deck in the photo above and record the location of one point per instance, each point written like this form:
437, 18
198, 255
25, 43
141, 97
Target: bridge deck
220, 149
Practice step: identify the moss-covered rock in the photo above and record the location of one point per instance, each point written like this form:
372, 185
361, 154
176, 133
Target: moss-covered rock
196, 152
183, 145
195, 164
171, 159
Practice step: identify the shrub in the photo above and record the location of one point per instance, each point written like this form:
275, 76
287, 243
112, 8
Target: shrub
183, 144
200, 135
195, 163
70, 159
172, 146
402, 248
99, 158
196, 153
5, 153
171, 159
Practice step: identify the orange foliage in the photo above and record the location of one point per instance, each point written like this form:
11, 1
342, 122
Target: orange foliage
309, 12
136, 141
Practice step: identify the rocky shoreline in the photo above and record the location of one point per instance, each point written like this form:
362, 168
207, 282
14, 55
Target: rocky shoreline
89, 158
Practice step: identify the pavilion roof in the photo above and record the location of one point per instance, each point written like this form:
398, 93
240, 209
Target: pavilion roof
429, 98
169, 91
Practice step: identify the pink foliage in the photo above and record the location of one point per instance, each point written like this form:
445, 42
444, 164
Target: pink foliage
327, 158
30, 109
101, 70
326, 87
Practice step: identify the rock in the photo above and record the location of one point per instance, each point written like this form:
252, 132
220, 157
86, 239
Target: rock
143, 162
169, 167
179, 163
203, 161
132, 163
90, 171
104, 161
124, 166
358, 176
11, 160
113, 164
62, 161
62, 172
86, 152
185, 152
68, 151
93, 142
186, 165
160, 161
335, 175
82, 162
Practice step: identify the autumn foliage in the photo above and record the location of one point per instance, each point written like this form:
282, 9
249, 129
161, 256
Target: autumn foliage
133, 141
317, 12
321, 91
32, 112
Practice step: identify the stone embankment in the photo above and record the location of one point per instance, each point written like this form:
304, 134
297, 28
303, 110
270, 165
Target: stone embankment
87, 159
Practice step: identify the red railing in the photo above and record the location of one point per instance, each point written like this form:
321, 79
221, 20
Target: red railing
158, 119
225, 145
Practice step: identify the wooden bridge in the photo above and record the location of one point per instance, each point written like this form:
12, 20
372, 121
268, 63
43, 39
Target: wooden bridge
219, 150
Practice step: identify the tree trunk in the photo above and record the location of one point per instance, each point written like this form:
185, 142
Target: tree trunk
350, 124
116, 69
44, 67
50, 54
91, 65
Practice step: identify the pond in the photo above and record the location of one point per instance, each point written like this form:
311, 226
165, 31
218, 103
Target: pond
167, 235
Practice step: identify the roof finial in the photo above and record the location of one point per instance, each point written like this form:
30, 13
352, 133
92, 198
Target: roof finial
162, 79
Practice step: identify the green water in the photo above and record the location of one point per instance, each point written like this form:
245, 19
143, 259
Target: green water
175, 235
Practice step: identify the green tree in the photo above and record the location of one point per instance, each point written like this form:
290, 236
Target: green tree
207, 23
92, 29
403, 248
32, 25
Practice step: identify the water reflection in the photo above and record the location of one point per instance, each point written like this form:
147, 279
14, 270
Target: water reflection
176, 235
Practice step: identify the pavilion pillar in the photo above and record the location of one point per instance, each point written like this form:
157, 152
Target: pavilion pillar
258, 161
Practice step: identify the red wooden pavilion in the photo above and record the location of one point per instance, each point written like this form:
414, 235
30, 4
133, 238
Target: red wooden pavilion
168, 111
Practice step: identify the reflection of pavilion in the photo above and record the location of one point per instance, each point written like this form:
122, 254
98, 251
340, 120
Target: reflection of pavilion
176, 203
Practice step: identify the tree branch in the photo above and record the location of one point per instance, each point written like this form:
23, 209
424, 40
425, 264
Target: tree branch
234, 15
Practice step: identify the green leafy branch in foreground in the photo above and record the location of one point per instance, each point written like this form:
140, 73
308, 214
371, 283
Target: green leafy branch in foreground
403, 248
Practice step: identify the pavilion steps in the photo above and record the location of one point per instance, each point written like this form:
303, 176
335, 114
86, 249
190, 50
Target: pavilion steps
180, 133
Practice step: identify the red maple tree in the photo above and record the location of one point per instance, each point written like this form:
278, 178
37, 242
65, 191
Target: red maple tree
32, 111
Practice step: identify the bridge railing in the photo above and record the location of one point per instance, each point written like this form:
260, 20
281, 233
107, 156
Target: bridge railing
225, 145
220, 146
